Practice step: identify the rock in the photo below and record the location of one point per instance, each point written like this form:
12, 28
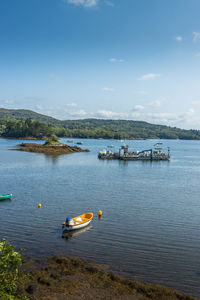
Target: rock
32, 288
50, 149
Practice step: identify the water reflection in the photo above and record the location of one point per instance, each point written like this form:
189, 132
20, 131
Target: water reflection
52, 158
4, 201
111, 161
100, 217
125, 163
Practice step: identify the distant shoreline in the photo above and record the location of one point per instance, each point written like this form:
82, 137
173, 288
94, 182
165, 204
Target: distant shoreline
79, 138
22, 138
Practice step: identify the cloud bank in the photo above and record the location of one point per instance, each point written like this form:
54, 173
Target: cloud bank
89, 3
107, 89
149, 76
85, 3
115, 60
196, 36
179, 38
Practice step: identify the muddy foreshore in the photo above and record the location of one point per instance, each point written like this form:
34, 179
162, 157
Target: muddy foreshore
50, 149
73, 278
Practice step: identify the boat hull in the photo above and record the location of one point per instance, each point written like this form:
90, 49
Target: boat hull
5, 196
78, 222
75, 227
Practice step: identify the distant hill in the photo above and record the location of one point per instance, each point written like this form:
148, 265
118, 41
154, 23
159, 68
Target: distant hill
131, 129
23, 114
86, 128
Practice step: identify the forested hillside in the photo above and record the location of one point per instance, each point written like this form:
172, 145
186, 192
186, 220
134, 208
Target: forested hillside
23, 114
25, 123
13, 128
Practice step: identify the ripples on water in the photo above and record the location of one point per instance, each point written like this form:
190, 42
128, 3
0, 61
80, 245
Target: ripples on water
150, 229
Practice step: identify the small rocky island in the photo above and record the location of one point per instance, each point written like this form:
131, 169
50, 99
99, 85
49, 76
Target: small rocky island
51, 147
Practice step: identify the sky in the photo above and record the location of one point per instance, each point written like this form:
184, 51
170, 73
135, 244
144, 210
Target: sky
110, 59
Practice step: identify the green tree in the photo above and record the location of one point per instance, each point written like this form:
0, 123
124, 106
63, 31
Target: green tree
10, 261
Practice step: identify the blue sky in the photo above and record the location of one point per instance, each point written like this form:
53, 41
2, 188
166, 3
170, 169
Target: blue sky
118, 59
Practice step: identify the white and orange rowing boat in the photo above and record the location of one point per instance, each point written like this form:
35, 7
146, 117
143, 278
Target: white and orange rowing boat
78, 222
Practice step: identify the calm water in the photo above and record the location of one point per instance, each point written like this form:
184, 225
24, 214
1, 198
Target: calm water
150, 229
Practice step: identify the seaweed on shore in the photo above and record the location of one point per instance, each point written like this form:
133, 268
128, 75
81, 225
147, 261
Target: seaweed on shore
73, 278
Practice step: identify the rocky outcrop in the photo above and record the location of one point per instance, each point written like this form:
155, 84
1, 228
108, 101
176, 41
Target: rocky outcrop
55, 149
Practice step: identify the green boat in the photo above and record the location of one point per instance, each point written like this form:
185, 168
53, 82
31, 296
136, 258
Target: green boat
5, 196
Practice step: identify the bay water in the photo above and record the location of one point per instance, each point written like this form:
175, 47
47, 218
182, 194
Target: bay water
150, 228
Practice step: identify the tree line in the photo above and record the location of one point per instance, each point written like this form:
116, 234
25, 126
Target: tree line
92, 128
13, 128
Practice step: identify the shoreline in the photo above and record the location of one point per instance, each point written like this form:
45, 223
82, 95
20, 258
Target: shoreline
93, 138
63, 277
80, 138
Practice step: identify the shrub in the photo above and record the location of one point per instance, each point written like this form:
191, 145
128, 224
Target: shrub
52, 140
10, 261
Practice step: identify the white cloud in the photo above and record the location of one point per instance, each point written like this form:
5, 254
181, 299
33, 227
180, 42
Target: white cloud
89, 3
170, 119
9, 102
107, 89
39, 107
114, 60
85, 3
109, 3
71, 104
79, 113
138, 115
155, 103
138, 107
55, 108
196, 36
188, 119
191, 112
179, 38
149, 76
111, 114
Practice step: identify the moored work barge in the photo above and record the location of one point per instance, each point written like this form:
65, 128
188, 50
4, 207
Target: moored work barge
124, 154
